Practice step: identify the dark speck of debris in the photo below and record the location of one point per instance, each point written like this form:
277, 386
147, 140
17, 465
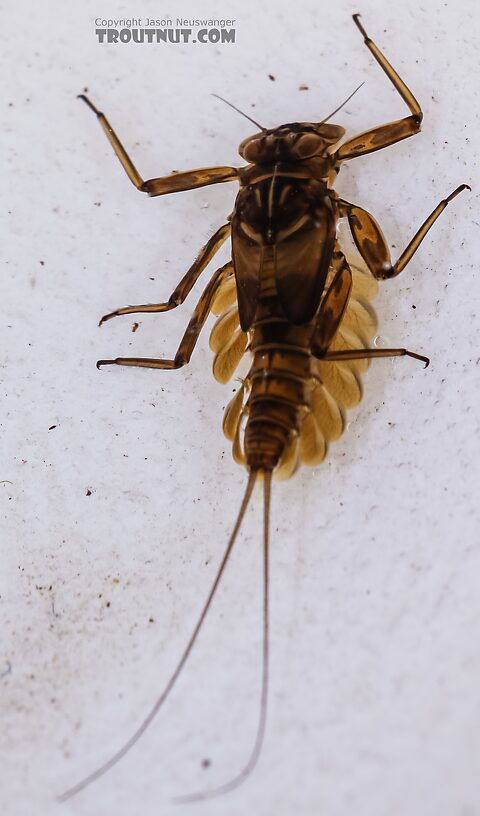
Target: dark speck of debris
107, 604
42, 263
206, 763
85, 90
8, 669
151, 620
88, 492
135, 326
97, 203
151, 278
303, 88
270, 76
52, 427
413, 306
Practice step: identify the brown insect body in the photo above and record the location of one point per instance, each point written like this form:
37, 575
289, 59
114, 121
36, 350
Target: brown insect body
290, 298
283, 235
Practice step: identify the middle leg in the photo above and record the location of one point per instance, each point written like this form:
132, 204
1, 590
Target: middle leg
371, 242
186, 284
192, 333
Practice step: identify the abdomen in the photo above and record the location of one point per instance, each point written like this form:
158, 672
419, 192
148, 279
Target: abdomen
279, 377
287, 405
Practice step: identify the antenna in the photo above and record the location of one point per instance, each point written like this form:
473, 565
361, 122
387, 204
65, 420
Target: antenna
240, 112
341, 106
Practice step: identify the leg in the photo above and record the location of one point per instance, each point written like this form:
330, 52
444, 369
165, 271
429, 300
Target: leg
372, 245
384, 135
174, 183
369, 354
186, 284
332, 309
189, 339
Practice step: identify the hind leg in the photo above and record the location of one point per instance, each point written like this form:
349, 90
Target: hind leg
370, 354
332, 308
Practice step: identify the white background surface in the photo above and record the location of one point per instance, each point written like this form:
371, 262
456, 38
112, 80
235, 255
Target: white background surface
374, 699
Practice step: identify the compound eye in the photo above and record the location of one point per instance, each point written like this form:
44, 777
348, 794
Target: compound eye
331, 133
307, 145
250, 149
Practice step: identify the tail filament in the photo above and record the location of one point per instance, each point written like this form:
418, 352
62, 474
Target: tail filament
262, 720
103, 769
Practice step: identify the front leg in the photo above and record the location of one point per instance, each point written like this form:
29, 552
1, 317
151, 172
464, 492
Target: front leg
174, 183
384, 135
